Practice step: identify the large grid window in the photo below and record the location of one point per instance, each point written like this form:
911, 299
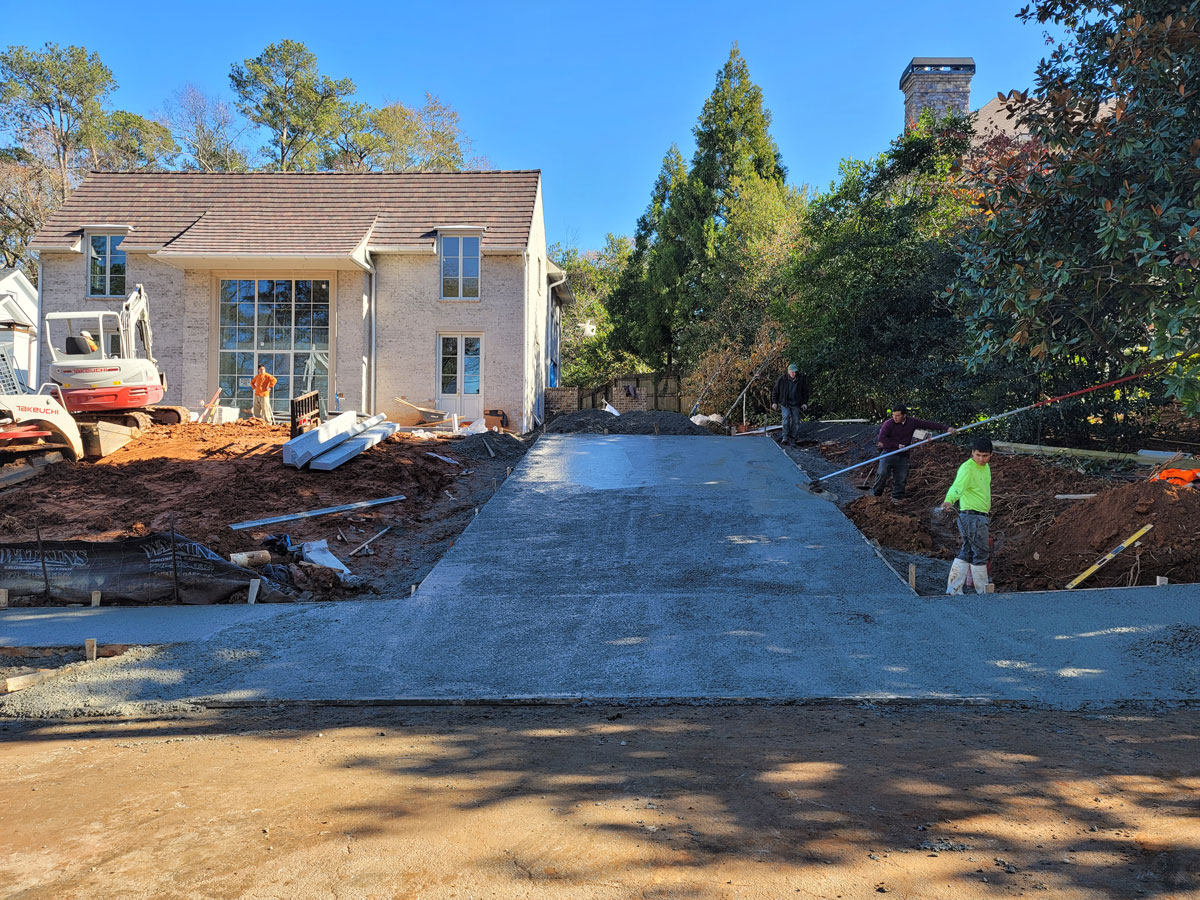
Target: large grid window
460, 268
106, 266
282, 324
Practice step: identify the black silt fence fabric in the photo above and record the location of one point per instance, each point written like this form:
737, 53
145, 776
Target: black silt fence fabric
129, 571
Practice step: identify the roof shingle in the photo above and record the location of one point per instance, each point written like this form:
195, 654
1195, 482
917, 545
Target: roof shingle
198, 213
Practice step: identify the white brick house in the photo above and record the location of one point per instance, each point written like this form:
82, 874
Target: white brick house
367, 287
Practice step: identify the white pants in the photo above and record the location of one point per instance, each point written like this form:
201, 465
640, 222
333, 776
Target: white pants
262, 409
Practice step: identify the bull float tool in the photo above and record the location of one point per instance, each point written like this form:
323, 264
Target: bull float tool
814, 484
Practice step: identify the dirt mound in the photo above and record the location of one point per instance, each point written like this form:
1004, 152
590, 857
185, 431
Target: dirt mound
596, 421
1093, 527
506, 447
1023, 506
210, 476
885, 523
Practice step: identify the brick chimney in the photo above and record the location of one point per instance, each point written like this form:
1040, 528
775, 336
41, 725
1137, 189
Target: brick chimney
939, 83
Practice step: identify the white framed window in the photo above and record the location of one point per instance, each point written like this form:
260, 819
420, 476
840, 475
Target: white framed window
281, 323
106, 266
460, 267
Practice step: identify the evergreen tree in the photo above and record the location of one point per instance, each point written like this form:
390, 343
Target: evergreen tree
674, 284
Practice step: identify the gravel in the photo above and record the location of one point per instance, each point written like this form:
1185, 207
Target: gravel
597, 421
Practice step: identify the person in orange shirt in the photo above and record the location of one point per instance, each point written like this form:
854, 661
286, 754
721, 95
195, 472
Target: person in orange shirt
262, 384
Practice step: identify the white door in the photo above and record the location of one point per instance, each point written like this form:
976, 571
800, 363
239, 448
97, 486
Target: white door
460, 368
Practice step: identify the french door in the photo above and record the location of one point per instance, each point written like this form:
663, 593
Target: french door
460, 374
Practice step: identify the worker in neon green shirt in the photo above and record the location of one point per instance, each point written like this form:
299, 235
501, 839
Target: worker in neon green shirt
972, 491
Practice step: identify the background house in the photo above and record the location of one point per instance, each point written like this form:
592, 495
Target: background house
19, 323
435, 287
943, 84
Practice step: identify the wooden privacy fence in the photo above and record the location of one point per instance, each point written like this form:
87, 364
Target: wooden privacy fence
624, 393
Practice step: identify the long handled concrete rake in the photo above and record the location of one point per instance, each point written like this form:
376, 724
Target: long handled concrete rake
815, 487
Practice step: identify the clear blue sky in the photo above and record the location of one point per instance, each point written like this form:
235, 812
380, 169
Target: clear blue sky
591, 94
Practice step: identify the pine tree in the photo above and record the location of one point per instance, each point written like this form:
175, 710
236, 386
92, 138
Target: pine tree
673, 285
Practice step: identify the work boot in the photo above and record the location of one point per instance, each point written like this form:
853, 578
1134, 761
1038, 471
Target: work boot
958, 576
979, 575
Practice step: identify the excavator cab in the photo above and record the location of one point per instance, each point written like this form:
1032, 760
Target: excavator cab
104, 363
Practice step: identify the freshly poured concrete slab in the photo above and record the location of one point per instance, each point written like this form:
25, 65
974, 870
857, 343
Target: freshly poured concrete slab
670, 568
65, 627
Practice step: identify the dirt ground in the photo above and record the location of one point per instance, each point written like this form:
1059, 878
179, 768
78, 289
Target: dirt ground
23, 660
665, 802
210, 476
1041, 543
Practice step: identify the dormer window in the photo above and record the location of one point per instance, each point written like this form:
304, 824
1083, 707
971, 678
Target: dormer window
460, 267
106, 265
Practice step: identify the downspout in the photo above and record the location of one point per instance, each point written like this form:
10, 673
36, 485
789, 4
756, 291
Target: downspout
525, 424
373, 322
35, 368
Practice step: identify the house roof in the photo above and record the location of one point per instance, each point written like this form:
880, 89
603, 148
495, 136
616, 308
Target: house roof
18, 298
284, 214
992, 120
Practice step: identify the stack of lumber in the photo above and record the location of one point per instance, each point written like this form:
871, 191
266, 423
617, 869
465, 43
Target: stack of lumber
336, 441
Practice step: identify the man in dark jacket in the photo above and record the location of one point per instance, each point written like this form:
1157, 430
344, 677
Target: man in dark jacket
790, 394
895, 434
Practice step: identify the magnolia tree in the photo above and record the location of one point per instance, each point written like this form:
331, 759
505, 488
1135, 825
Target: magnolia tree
1088, 242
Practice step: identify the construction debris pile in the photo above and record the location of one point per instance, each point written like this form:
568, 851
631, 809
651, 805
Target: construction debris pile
1042, 538
598, 421
210, 476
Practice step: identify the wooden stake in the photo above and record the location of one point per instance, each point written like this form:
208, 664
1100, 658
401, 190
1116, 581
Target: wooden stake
37, 527
174, 567
912, 576
252, 596
495, 486
990, 589
507, 471
3, 598
209, 409
95, 598
413, 593
89, 649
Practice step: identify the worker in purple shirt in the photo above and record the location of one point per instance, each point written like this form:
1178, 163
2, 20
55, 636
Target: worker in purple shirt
895, 434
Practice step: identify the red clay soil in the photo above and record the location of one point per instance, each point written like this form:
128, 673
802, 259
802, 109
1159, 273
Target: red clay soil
1092, 528
210, 476
1067, 536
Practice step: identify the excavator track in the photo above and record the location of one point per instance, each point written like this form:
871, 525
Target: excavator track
128, 418
169, 415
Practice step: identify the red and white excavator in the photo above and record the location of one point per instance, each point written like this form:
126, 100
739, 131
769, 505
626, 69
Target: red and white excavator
103, 364
35, 424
